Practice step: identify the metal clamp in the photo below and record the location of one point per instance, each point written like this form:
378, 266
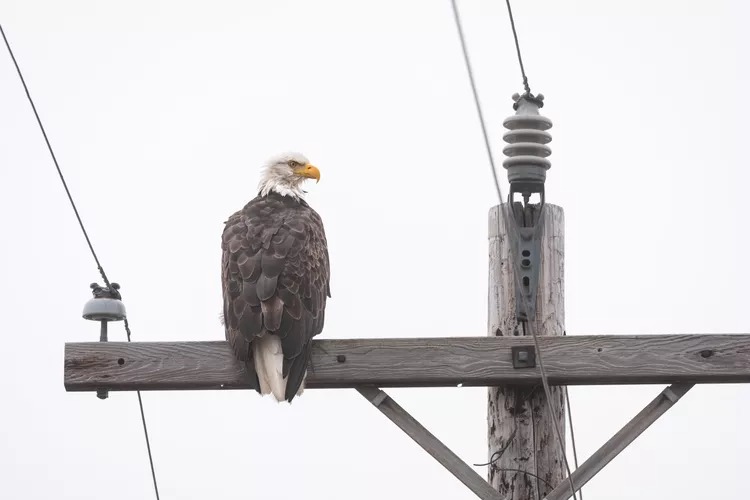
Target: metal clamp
526, 251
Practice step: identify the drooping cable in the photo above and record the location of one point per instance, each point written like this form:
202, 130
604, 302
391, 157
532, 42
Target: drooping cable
85, 234
572, 434
548, 393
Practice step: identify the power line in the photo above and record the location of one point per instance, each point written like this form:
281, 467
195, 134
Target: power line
85, 235
467, 60
548, 393
518, 48
148, 443
54, 159
572, 434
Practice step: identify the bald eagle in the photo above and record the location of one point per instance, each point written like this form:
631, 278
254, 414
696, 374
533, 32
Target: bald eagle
275, 278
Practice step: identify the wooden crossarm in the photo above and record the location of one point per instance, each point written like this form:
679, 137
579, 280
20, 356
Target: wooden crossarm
420, 362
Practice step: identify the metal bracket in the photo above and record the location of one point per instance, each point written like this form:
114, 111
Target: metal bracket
379, 398
524, 356
526, 238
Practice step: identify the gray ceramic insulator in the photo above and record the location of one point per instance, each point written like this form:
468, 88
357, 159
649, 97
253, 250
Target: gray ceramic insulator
104, 309
527, 139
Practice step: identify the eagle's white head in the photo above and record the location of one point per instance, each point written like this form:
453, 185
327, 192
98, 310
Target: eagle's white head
285, 174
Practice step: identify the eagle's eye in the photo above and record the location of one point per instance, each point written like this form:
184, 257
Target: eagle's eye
294, 163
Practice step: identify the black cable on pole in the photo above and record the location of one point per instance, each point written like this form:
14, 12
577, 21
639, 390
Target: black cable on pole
539, 478
85, 234
518, 48
500, 452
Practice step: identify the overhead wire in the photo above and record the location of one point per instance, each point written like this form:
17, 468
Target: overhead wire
572, 434
572, 431
54, 160
477, 103
85, 235
548, 393
518, 48
503, 212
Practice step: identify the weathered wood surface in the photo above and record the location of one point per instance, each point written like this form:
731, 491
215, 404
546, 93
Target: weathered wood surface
429, 442
601, 457
419, 362
519, 421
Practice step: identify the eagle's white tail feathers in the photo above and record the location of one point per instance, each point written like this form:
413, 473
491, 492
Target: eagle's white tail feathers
269, 361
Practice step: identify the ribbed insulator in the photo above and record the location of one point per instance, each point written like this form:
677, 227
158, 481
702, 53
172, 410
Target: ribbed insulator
527, 151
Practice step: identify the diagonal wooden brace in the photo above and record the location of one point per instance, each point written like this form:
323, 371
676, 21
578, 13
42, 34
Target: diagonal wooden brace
429, 442
601, 457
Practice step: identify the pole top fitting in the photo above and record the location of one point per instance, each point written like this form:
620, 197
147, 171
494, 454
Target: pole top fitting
527, 166
106, 304
528, 96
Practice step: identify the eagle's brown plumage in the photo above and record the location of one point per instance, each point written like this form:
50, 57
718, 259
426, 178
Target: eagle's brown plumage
275, 281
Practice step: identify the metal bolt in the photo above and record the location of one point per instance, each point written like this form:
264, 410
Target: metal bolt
523, 356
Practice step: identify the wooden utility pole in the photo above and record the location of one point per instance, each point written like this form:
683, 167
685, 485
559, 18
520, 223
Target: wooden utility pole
520, 429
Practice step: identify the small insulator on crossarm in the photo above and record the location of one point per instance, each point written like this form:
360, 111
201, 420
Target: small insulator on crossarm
106, 306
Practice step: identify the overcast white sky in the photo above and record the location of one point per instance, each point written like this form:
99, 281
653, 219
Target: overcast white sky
161, 113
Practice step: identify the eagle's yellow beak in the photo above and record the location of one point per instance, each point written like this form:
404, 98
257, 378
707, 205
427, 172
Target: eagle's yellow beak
309, 171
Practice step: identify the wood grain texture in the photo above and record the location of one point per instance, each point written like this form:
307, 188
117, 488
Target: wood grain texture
519, 419
419, 362
429, 442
